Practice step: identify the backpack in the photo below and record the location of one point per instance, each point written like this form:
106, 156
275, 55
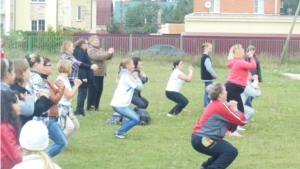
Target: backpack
143, 114
115, 118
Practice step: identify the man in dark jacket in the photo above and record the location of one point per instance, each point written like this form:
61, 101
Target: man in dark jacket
86, 76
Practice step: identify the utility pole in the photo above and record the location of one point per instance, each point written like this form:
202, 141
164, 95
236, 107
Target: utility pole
284, 51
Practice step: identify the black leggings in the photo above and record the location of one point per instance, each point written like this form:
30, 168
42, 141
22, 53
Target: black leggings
234, 93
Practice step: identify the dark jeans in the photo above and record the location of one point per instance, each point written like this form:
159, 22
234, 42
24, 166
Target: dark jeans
139, 101
234, 93
179, 99
95, 92
222, 152
82, 93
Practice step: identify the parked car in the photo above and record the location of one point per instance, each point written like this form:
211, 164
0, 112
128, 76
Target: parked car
161, 50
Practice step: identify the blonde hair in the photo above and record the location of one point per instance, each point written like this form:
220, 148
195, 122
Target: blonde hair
48, 163
235, 52
93, 37
205, 45
214, 90
64, 66
20, 65
65, 46
123, 64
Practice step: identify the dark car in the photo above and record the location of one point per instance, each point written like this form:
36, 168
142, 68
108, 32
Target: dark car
161, 50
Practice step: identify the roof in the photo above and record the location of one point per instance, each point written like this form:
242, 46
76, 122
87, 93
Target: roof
104, 11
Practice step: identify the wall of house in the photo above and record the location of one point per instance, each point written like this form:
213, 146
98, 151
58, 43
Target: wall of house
22, 14
88, 15
238, 6
240, 24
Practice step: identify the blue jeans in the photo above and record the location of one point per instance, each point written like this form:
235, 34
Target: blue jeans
57, 136
206, 99
82, 93
129, 113
222, 152
179, 99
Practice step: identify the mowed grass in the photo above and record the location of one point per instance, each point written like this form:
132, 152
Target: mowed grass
270, 141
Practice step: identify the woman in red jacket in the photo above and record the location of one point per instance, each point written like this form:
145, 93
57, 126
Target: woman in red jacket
207, 137
11, 153
237, 79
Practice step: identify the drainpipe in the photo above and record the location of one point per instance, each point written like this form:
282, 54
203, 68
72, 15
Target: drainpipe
275, 7
7, 17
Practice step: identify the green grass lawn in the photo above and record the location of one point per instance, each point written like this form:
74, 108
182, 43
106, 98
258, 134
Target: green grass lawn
270, 141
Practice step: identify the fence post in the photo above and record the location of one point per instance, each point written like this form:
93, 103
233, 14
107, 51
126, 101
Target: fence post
103, 43
214, 47
130, 44
181, 43
140, 44
29, 40
250, 42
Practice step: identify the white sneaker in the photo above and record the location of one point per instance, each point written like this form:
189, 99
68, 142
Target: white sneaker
240, 128
170, 115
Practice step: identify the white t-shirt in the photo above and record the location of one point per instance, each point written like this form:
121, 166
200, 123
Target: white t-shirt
64, 100
175, 83
124, 91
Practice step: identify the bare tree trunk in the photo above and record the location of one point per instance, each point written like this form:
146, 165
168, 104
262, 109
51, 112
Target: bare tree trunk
284, 51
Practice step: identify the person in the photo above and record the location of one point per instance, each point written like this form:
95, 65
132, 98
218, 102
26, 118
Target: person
37, 86
98, 56
22, 75
67, 120
237, 79
176, 81
34, 145
2, 55
207, 72
210, 129
137, 99
11, 152
67, 51
251, 90
7, 79
128, 81
85, 75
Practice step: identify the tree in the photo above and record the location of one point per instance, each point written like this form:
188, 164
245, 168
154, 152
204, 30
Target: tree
176, 15
142, 19
289, 5
113, 27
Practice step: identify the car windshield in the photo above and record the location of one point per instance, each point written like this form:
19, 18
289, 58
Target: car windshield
154, 48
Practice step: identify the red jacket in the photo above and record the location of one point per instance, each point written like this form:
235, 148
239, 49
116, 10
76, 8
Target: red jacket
239, 68
11, 152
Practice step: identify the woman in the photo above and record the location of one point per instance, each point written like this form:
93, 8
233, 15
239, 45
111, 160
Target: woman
128, 81
237, 79
207, 72
67, 51
34, 145
173, 87
99, 57
11, 152
22, 72
137, 99
7, 78
208, 133
85, 75
36, 86
67, 120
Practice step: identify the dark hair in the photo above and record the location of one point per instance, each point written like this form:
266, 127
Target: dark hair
80, 42
46, 60
33, 58
7, 112
176, 63
6, 66
251, 47
135, 61
214, 90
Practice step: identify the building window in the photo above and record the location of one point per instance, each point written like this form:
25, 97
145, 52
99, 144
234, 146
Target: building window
37, 0
259, 6
38, 25
1, 4
78, 13
215, 6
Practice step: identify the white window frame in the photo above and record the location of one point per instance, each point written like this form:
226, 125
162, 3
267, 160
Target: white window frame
38, 1
259, 6
79, 13
281, 4
38, 25
215, 6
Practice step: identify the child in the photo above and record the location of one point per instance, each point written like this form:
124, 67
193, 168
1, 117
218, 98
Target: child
66, 119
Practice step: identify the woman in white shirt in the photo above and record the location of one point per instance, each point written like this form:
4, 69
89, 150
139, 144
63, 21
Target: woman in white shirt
128, 81
175, 83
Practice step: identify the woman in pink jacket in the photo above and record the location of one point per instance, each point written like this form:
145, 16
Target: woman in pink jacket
237, 79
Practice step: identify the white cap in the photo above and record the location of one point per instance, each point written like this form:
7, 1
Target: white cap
34, 136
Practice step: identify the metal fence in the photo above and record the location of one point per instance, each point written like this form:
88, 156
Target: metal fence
125, 43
